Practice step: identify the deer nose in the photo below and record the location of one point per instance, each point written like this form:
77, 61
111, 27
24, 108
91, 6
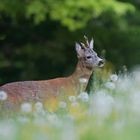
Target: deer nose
101, 63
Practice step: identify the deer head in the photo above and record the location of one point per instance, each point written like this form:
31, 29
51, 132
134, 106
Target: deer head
87, 55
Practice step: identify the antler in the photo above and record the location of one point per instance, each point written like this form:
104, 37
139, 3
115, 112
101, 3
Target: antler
87, 43
83, 45
86, 39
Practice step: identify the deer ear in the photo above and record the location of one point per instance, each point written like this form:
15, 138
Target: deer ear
91, 44
79, 50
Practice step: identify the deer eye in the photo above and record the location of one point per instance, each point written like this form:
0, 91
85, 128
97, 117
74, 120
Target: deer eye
88, 57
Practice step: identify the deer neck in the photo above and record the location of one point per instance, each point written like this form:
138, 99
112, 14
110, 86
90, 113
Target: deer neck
81, 72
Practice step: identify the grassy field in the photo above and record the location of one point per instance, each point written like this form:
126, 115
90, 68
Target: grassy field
110, 112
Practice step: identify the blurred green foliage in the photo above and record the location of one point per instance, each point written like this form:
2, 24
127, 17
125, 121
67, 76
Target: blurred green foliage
37, 36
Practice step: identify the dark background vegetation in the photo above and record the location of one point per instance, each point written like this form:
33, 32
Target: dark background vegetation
37, 37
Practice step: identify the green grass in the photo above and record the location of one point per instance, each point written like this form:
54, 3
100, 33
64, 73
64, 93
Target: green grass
110, 112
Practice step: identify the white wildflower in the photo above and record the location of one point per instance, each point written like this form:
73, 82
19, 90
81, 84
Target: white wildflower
54, 119
39, 109
74, 104
135, 101
102, 104
26, 107
114, 77
83, 80
124, 84
84, 96
72, 98
102, 92
136, 75
7, 130
110, 85
62, 104
38, 106
3, 95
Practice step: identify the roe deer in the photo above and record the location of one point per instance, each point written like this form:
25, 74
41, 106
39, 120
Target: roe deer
43, 90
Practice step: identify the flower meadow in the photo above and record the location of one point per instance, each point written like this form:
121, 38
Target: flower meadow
110, 112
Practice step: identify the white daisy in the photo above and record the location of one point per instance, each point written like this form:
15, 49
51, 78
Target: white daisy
62, 104
110, 85
38, 106
72, 98
3, 95
114, 77
26, 107
83, 96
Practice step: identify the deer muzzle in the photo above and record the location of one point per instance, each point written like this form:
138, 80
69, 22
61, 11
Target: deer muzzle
101, 62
